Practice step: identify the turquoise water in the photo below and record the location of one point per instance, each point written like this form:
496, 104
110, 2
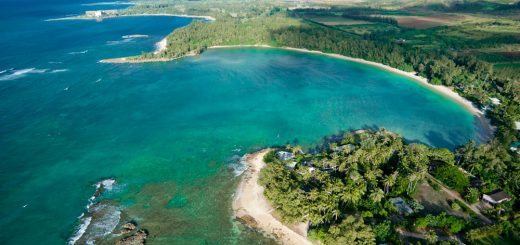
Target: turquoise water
171, 134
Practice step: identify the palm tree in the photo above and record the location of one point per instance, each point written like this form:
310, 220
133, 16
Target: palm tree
390, 180
431, 237
415, 178
377, 195
353, 193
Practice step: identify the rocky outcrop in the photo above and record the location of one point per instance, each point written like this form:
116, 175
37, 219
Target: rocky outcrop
138, 238
248, 221
128, 227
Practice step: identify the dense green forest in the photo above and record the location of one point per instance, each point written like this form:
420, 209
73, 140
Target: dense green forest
346, 190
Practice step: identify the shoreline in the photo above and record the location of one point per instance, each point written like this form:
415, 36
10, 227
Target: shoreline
443, 90
440, 89
252, 208
161, 45
83, 17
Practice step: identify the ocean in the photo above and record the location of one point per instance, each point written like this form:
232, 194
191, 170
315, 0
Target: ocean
166, 139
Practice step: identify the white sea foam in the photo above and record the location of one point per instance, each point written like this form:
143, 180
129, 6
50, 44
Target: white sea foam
238, 165
134, 36
107, 216
21, 73
85, 222
79, 52
55, 62
127, 40
59, 70
3, 71
99, 80
108, 221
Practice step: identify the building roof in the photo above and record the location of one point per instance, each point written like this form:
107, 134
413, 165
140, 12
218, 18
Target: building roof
284, 155
401, 205
517, 125
495, 101
498, 195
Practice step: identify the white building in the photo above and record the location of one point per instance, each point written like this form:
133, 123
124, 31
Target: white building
495, 197
495, 101
284, 155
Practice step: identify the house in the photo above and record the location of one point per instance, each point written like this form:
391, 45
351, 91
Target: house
284, 155
401, 205
100, 13
495, 101
515, 147
495, 197
517, 125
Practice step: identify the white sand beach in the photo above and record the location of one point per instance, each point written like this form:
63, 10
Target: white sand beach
251, 206
84, 17
161, 45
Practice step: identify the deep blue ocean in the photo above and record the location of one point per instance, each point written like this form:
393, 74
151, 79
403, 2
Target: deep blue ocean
169, 134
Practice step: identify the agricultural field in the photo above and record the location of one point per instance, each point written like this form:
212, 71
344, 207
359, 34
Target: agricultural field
364, 29
425, 22
335, 20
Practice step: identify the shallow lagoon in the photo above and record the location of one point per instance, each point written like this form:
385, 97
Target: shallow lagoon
171, 134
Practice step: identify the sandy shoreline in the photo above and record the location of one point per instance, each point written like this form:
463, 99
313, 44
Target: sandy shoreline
251, 207
83, 17
161, 45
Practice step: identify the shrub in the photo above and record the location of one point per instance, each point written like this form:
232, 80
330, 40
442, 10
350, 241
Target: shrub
451, 176
483, 232
472, 195
455, 206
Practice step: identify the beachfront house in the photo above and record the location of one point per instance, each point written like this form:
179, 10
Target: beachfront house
100, 13
515, 147
285, 155
496, 197
495, 101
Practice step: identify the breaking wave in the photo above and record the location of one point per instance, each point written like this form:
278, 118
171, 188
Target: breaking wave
126, 40
134, 36
20, 73
100, 219
59, 70
79, 52
238, 165
85, 222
